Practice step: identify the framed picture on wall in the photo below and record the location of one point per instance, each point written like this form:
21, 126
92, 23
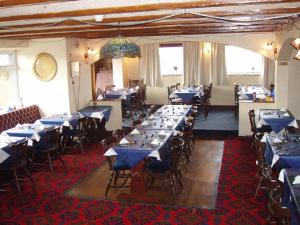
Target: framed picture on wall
75, 69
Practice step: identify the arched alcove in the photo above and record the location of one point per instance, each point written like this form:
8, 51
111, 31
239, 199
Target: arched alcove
286, 50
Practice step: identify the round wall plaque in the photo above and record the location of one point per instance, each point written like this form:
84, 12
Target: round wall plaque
45, 66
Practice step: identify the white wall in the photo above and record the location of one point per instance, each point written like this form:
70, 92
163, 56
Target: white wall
79, 88
287, 77
51, 96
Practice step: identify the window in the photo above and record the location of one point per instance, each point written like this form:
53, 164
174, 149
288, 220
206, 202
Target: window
7, 59
9, 93
171, 59
241, 61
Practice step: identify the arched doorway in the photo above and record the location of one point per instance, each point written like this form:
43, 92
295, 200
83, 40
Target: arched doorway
102, 75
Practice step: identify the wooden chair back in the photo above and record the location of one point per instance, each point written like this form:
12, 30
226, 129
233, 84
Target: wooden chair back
278, 212
251, 115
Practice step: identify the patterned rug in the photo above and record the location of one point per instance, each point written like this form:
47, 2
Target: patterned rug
48, 205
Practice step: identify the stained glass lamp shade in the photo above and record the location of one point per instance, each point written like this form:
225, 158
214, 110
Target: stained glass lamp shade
120, 47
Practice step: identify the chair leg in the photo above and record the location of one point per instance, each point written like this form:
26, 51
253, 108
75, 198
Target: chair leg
172, 186
29, 175
50, 161
112, 174
17, 180
258, 187
178, 179
61, 160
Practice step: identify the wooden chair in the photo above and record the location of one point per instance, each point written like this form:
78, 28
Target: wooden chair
76, 137
134, 83
167, 170
203, 102
236, 101
17, 161
260, 160
49, 145
278, 213
118, 169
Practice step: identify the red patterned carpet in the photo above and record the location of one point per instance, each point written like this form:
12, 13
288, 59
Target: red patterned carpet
48, 205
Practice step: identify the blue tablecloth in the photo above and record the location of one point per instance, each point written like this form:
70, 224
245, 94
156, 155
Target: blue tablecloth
289, 153
88, 111
60, 120
275, 119
291, 196
187, 95
119, 94
140, 147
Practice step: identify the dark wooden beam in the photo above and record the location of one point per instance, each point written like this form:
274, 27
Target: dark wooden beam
159, 25
145, 32
142, 8
254, 15
10, 3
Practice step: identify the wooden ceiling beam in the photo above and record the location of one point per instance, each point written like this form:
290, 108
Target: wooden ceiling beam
140, 32
257, 15
10, 3
142, 8
158, 25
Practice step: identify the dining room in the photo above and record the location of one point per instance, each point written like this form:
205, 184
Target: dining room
149, 112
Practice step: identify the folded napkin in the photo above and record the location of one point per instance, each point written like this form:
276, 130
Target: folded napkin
282, 110
66, 123
38, 122
131, 89
124, 141
41, 127
135, 131
169, 124
286, 114
137, 87
145, 123
277, 140
152, 117
100, 97
155, 142
110, 152
35, 136
3, 155
18, 126
296, 180
30, 142
162, 133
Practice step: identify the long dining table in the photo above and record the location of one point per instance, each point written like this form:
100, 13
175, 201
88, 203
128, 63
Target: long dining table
150, 139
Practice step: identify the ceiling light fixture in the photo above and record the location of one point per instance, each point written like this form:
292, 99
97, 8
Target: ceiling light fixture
296, 43
99, 18
271, 46
297, 56
120, 47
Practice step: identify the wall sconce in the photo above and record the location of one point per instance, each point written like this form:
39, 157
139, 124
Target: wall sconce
207, 48
89, 52
271, 46
296, 43
297, 56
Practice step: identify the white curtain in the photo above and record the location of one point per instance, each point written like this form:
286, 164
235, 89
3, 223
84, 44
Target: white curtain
149, 64
192, 62
268, 72
218, 64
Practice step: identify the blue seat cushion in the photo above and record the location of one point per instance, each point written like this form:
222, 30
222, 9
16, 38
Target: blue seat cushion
159, 166
120, 165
